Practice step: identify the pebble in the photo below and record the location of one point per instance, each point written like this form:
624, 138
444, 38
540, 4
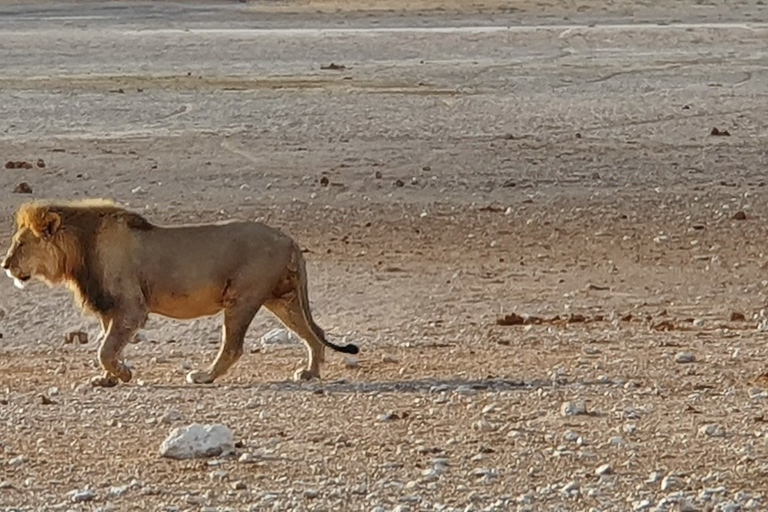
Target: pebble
387, 416
277, 337
618, 441
239, 485
685, 357
571, 436
605, 469
81, 496
570, 487
247, 458
654, 477
170, 416
390, 359
484, 426
576, 408
351, 362
641, 505
465, 390
311, 494
671, 483
712, 430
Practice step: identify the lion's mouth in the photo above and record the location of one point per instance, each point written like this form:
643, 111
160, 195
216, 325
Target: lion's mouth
18, 281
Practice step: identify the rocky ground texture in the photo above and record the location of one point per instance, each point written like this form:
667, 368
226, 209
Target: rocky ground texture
545, 228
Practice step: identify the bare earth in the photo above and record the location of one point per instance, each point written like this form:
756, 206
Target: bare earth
468, 162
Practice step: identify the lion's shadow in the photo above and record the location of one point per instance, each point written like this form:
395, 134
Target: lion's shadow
416, 386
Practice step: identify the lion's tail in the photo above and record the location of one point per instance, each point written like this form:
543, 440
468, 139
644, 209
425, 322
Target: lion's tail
301, 289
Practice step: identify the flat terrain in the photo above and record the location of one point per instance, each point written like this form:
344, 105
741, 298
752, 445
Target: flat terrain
446, 165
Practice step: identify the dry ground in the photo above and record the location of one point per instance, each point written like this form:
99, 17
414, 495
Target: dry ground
562, 171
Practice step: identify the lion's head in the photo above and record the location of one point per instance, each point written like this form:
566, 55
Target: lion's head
34, 250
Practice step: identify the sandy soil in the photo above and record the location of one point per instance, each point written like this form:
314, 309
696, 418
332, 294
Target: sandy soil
568, 172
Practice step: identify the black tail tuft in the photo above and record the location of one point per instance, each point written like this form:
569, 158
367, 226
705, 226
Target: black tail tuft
349, 348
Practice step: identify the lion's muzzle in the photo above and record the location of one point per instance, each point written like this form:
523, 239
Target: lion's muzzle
18, 280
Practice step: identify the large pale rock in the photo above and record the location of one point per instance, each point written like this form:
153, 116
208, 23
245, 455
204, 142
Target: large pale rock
198, 441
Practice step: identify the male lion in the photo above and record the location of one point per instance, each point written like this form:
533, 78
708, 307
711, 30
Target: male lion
120, 268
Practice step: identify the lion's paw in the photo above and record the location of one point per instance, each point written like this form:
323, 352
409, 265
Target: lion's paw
199, 377
303, 375
104, 381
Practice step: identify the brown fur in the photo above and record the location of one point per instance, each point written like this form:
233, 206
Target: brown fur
121, 267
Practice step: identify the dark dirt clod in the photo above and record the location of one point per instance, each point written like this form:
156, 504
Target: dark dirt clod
22, 188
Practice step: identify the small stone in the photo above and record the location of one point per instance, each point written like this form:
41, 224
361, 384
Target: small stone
571, 436
22, 188
390, 359
740, 215
618, 441
16, 461
484, 426
311, 494
465, 390
654, 477
81, 496
278, 337
170, 416
218, 475
247, 458
351, 362
712, 430
671, 483
388, 416
198, 441
641, 505
605, 469
685, 357
576, 408
737, 316
239, 485
570, 487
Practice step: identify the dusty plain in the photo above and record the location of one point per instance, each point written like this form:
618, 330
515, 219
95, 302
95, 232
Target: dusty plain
463, 162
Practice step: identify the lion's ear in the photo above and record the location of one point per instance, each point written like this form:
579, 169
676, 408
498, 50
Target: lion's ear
50, 225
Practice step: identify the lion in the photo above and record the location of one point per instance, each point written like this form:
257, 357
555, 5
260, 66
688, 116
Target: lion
120, 268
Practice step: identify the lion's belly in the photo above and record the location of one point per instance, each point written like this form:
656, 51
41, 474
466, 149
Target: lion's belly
184, 306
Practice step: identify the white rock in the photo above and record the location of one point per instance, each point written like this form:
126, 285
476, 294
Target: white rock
198, 441
671, 483
571, 436
351, 362
390, 359
570, 487
278, 337
247, 458
685, 357
605, 469
618, 441
712, 430
654, 477
483, 426
639, 506
575, 408
311, 494
81, 496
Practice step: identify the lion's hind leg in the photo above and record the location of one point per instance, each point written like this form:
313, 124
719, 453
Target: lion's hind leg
237, 318
288, 310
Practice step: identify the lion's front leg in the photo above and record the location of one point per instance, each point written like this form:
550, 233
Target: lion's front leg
118, 333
